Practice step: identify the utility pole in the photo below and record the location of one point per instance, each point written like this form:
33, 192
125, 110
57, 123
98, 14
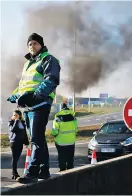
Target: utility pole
89, 102
74, 54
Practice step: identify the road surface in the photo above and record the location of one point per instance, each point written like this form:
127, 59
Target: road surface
93, 120
80, 159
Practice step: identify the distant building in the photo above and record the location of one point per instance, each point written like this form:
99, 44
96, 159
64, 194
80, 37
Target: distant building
97, 101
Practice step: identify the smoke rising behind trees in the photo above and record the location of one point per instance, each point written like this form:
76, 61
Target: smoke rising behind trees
93, 51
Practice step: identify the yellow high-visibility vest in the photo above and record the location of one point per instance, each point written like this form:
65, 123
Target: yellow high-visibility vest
31, 78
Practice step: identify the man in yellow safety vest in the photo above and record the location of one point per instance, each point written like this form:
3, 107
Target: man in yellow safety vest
64, 130
35, 93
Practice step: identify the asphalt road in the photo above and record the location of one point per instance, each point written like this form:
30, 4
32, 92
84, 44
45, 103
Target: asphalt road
80, 159
82, 121
93, 120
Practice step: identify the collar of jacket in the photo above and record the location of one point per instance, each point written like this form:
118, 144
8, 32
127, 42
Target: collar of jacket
65, 112
30, 57
12, 122
66, 108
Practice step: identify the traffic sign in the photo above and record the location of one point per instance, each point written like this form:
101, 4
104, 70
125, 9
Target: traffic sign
103, 95
127, 113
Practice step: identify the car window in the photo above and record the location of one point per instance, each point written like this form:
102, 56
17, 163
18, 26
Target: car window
104, 129
114, 128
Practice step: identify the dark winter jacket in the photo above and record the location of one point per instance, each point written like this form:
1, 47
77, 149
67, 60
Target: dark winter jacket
16, 134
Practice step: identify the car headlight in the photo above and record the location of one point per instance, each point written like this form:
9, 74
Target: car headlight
127, 142
93, 142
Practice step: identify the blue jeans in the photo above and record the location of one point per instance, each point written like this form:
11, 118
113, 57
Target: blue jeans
36, 122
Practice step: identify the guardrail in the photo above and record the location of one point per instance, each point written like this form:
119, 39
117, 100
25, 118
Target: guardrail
107, 177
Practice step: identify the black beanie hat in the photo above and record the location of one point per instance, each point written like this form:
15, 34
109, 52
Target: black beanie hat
36, 37
64, 105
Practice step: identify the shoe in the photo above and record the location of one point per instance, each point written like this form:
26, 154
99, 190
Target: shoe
44, 176
44, 172
27, 179
15, 176
62, 170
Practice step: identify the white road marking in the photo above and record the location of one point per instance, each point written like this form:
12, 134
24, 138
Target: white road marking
82, 143
101, 115
86, 120
98, 119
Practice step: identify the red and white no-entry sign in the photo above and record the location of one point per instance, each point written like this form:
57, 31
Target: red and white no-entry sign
127, 113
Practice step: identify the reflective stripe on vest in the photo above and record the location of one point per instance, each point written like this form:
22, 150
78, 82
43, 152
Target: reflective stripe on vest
26, 78
66, 144
31, 79
67, 132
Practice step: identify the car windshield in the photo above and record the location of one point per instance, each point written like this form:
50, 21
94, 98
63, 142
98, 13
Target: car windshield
114, 128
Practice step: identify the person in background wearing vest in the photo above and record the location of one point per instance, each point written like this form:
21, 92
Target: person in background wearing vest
64, 130
17, 137
35, 93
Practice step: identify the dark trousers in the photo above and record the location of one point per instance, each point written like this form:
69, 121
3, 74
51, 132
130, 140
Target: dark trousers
65, 156
16, 148
36, 123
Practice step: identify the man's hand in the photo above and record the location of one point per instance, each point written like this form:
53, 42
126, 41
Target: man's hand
13, 98
25, 99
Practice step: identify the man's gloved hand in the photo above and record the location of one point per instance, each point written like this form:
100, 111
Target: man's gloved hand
13, 98
25, 99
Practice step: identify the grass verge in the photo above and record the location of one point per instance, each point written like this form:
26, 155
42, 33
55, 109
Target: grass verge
83, 133
81, 112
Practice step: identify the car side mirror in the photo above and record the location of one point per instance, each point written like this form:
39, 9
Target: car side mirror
95, 133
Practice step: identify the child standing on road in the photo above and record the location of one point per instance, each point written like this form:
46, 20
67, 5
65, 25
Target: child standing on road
17, 137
